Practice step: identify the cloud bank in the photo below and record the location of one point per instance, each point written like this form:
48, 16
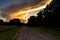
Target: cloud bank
23, 11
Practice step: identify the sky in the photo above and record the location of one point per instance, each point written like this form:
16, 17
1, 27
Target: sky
21, 9
4, 3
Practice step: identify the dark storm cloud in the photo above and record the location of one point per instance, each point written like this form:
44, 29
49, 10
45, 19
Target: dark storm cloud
5, 3
13, 6
16, 7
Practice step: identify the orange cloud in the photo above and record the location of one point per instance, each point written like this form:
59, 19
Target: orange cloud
25, 11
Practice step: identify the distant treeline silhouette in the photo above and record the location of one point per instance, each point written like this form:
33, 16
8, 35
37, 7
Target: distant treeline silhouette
11, 22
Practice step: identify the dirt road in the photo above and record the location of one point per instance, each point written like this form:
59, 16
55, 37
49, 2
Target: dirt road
28, 34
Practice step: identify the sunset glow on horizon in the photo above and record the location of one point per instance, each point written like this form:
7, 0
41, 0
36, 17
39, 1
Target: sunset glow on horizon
23, 14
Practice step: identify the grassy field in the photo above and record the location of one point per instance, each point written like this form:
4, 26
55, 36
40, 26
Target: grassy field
9, 34
4, 27
52, 31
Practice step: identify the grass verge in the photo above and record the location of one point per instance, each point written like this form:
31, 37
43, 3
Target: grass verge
55, 32
9, 34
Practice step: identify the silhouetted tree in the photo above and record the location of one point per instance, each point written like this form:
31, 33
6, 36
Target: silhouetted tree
15, 22
35, 21
40, 18
32, 21
52, 18
1, 22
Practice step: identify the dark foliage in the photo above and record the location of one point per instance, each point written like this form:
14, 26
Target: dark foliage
15, 22
52, 16
1, 22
